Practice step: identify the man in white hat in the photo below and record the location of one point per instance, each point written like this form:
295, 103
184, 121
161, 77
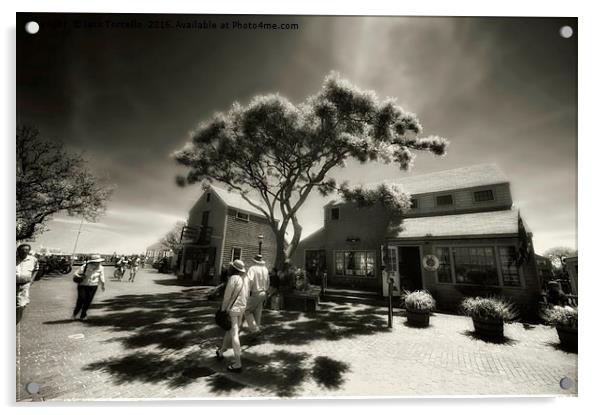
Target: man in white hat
92, 275
259, 277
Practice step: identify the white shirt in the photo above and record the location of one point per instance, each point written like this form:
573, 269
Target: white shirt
237, 284
92, 276
26, 268
260, 278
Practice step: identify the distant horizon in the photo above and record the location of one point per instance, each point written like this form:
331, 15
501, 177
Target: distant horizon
502, 90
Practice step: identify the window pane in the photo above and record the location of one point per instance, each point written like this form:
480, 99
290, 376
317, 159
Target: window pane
334, 214
339, 263
509, 266
370, 256
445, 200
444, 273
475, 266
483, 195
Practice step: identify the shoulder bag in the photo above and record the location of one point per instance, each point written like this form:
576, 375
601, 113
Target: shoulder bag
78, 277
222, 317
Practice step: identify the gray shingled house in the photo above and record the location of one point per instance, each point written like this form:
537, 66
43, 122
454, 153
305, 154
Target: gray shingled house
462, 237
222, 227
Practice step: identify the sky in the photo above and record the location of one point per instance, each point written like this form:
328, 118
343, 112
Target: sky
502, 90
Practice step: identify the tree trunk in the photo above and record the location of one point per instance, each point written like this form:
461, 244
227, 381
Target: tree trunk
281, 255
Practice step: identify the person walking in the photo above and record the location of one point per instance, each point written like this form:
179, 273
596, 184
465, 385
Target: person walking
27, 268
259, 279
93, 275
134, 265
235, 303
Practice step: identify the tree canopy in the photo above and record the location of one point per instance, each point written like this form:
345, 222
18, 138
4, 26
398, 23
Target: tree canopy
280, 152
49, 181
171, 239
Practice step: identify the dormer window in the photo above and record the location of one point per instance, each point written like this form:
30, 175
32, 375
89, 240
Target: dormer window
483, 195
334, 213
242, 216
445, 200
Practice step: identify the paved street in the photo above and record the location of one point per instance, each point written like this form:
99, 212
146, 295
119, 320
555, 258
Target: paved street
155, 339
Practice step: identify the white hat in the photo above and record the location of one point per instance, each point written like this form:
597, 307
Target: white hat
238, 265
95, 258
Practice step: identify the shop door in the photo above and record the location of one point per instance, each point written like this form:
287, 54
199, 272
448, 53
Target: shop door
410, 271
315, 265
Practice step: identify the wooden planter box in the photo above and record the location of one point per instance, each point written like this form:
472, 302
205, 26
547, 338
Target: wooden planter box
488, 328
567, 336
418, 318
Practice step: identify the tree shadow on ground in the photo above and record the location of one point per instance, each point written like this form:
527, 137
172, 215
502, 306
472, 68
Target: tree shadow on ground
281, 373
171, 338
573, 349
493, 340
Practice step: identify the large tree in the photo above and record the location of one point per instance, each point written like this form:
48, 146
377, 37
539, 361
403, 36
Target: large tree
557, 254
172, 238
51, 180
280, 152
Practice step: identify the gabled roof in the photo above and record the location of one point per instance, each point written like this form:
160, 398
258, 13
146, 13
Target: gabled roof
501, 222
460, 178
236, 201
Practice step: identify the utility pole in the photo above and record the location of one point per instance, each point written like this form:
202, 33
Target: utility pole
79, 231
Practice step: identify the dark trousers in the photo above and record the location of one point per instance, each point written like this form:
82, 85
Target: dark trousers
85, 295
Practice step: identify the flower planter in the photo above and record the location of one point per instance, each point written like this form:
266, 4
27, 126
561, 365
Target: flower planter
418, 318
488, 327
567, 336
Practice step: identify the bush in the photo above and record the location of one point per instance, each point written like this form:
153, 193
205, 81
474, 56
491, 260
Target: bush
491, 308
562, 317
420, 300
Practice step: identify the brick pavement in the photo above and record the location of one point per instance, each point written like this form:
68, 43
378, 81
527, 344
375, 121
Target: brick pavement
155, 339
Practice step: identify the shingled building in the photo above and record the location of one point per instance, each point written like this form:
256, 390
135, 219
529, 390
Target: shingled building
461, 237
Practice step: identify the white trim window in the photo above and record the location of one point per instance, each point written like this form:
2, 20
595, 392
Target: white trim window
355, 263
483, 195
475, 265
509, 266
235, 253
242, 216
444, 272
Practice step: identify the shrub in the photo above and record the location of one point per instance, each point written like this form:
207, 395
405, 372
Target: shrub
562, 316
420, 300
492, 308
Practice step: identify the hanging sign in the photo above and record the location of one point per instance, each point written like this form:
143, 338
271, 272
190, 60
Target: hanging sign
430, 262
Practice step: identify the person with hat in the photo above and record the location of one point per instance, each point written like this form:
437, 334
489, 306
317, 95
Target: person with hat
93, 275
259, 278
235, 302
27, 268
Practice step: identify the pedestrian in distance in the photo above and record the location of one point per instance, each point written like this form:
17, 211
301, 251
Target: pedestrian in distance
27, 268
90, 276
134, 265
235, 303
259, 280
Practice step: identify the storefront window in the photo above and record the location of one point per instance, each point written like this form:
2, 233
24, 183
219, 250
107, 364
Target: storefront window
475, 265
444, 272
355, 263
509, 266
339, 263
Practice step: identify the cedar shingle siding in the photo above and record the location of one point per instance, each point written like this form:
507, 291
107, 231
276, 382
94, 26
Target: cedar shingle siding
467, 222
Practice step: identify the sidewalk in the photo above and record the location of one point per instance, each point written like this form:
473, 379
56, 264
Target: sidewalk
155, 339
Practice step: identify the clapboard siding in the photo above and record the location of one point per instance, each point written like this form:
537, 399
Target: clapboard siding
242, 234
463, 201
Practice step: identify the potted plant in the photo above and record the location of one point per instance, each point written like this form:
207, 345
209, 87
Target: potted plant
565, 320
419, 305
488, 315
